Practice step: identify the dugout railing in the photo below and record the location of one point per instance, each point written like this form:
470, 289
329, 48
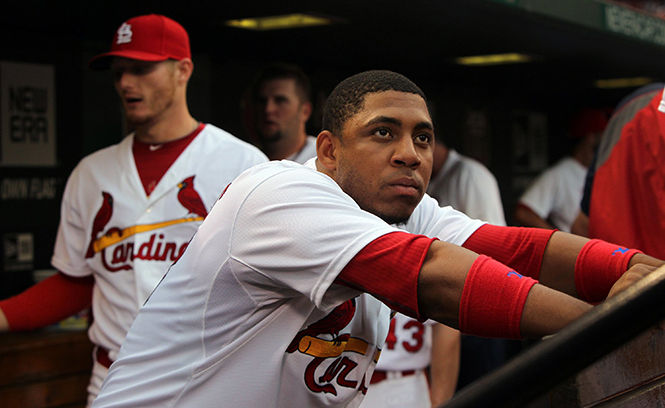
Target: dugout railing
551, 361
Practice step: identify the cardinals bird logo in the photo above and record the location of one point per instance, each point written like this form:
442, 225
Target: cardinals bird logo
190, 199
331, 324
101, 219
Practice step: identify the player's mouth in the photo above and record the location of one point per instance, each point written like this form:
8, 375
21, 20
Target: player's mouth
132, 100
268, 123
405, 186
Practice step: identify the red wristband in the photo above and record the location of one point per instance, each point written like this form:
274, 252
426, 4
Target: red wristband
493, 299
599, 265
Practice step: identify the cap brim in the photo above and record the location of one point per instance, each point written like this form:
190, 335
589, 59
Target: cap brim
103, 61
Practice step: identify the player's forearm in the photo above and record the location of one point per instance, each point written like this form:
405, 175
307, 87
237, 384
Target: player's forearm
558, 268
528, 218
4, 325
580, 225
444, 366
547, 311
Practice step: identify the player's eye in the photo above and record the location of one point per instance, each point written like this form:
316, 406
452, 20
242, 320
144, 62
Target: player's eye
424, 138
382, 132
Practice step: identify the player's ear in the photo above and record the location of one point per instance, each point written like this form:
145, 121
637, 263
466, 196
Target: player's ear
184, 67
326, 151
306, 110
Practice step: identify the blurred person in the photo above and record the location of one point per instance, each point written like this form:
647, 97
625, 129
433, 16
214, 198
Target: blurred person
552, 200
129, 210
623, 195
280, 108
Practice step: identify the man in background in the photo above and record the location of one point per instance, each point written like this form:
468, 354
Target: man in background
552, 200
280, 105
129, 210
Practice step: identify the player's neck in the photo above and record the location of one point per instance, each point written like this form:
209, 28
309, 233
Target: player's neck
284, 148
171, 125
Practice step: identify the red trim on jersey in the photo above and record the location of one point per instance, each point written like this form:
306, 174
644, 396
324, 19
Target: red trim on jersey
388, 268
598, 266
493, 299
47, 302
153, 164
520, 248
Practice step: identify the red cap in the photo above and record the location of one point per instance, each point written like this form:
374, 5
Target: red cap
151, 37
588, 121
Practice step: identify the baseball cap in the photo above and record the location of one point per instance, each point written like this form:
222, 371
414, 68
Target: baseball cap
587, 121
150, 37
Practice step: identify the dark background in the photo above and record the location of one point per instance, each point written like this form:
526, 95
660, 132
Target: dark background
477, 110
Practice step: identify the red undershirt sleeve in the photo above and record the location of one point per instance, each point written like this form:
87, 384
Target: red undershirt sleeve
48, 302
520, 248
388, 269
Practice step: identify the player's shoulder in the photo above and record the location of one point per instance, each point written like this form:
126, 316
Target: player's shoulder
472, 169
213, 137
108, 154
281, 169
283, 178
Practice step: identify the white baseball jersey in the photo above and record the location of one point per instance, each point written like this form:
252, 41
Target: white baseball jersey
306, 152
468, 186
109, 228
557, 193
250, 316
408, 344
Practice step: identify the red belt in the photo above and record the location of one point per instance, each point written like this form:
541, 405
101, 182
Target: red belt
102, 357
380, 375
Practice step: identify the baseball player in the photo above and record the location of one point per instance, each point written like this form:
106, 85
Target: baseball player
283, 296
130, 210
278, 113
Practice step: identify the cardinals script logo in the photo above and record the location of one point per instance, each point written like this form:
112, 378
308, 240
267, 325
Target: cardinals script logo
121, 251
322, 340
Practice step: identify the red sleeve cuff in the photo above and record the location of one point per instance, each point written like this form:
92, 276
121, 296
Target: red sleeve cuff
388, 269
48, 302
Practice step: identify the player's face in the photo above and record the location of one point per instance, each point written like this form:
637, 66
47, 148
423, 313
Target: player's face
147, 89
385, 154
280, 112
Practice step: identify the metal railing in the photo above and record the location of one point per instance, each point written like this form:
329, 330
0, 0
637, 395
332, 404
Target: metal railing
548, 363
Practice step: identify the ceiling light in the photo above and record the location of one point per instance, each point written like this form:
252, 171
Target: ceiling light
493, 59
279, 22
622, 82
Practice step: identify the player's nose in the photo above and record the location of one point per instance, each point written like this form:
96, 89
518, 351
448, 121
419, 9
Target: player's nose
405, 153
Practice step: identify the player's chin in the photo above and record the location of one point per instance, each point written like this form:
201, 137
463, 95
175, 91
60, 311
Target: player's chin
397, 212
136, 119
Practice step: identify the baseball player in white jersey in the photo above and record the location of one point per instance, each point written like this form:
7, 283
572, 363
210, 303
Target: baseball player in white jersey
129, 210
270, 304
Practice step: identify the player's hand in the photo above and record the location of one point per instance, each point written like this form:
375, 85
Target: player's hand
4, 324
632, 275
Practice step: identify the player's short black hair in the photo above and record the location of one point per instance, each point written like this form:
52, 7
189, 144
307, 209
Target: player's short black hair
348, 97
283, 70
